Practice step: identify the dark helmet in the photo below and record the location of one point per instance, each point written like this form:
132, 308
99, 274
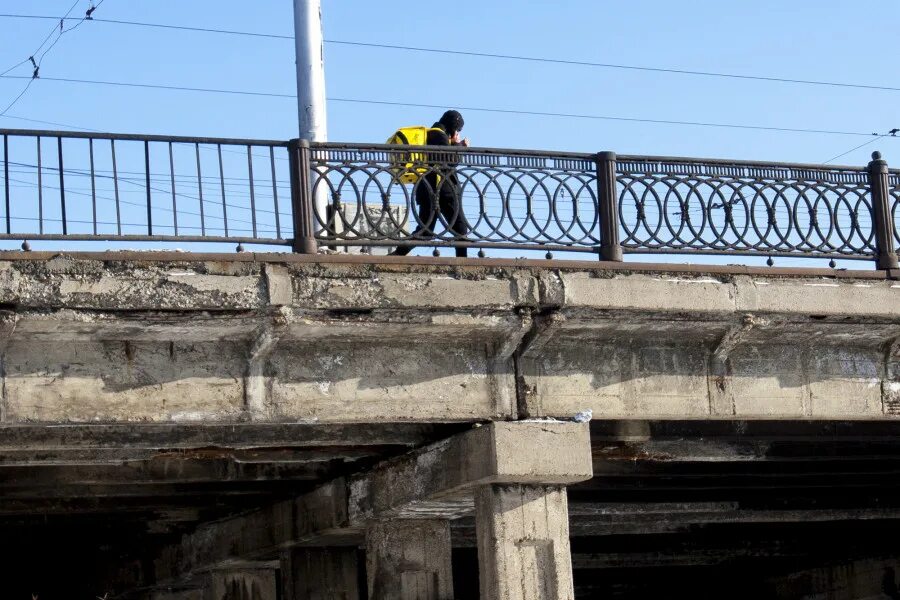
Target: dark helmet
452, 121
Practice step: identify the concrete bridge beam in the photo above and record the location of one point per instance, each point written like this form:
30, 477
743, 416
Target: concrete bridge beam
401, 508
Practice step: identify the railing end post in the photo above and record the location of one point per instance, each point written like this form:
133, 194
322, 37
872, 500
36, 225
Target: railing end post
882, 219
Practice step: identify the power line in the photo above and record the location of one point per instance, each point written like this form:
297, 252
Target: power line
179, 88
605, 117
534, 59
891, 133
441, 107
56, 123
165, 26
584, 63
37, 64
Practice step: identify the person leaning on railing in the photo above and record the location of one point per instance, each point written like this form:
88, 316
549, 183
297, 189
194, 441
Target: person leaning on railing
442, 184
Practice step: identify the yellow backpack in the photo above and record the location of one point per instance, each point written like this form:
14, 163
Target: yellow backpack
408, 167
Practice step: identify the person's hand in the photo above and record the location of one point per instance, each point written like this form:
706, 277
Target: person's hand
464, 142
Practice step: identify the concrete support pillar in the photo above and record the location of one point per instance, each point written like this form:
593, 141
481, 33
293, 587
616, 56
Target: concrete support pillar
523, 542
319, 574
243, 584
409, 559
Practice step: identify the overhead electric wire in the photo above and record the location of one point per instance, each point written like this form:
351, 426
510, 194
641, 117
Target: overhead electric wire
516, 57
858, 147
469, 108
37, 64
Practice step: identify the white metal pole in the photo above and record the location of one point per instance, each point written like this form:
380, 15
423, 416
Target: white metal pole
310, 70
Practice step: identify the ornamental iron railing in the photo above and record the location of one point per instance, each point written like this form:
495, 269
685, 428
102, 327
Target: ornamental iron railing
87, 186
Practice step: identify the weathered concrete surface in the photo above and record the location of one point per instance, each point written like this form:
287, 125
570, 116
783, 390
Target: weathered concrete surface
409, 559
242, 584
523, 543
319, 573
854, 580
435, 482
138, 338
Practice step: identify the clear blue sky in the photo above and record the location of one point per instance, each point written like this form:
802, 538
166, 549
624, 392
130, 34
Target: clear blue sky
817, 40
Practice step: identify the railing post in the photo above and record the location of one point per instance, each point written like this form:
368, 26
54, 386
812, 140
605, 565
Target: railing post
302, 197
885, 254
610, 248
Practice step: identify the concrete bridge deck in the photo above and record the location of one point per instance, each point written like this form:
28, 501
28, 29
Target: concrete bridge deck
150, 400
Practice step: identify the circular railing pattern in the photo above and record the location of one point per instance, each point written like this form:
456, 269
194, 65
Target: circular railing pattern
527, 200
359, 201
691, 212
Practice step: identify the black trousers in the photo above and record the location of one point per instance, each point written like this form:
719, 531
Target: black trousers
433, 199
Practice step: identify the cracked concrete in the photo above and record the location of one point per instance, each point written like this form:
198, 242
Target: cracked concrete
88, 339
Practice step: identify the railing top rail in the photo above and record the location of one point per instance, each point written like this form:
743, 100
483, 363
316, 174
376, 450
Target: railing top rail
137, 137
737, 163
454, 149
590, 156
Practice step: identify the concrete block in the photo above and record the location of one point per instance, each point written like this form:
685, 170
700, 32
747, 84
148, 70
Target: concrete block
523, 543
369, 289
356, 382
243, 584
787, 381
823, 297
409, 560
320, 573
278, 284
108, 381
617, 381
645, 292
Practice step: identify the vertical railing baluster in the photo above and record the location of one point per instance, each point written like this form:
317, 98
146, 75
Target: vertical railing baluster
6, 179
112, 149
252, 196
93, 185
275, 193
149, 194
40, 188
62, 186
172, 177
882, 220
608, 207
302, 197
200, 190
222, 184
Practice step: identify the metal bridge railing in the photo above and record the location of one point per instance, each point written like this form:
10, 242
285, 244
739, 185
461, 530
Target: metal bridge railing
63, 185
92, 186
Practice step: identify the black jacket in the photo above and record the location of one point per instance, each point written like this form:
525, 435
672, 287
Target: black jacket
437, 136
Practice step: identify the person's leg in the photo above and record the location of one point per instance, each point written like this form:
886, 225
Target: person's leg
451, 210
427, 216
